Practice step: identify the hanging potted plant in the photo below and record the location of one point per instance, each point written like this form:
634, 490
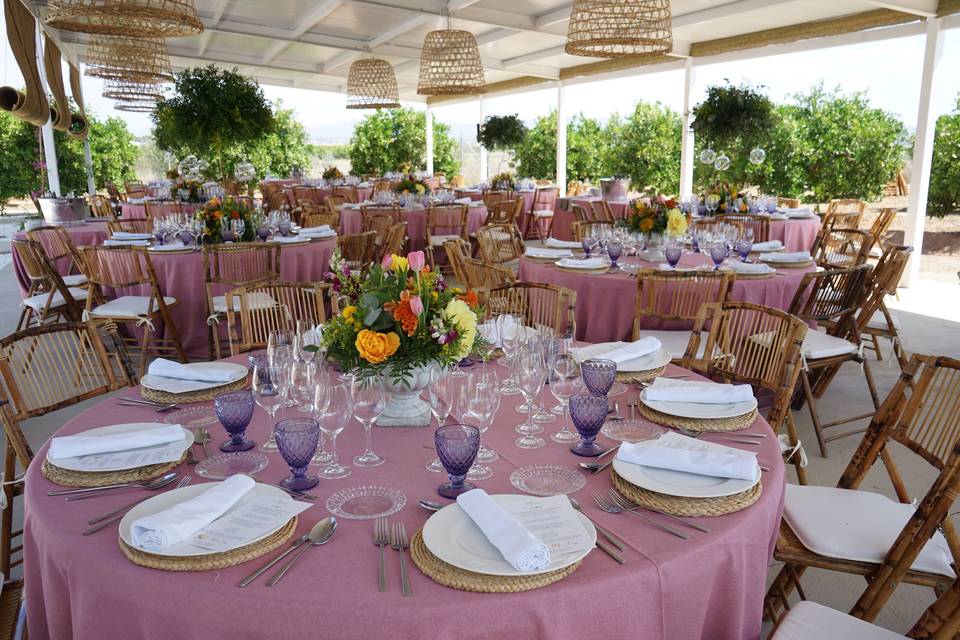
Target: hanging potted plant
733, 122
502, 133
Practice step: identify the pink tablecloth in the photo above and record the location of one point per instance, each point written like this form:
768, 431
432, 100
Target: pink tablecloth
351, 221
605, 303
710, 586
129, 211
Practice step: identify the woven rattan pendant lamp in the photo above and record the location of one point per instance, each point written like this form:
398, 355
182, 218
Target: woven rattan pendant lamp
134, 18
619, 28
135, 59
372, 84
450, 64
130, 92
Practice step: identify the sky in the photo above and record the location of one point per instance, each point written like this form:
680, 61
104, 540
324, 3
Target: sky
888, 71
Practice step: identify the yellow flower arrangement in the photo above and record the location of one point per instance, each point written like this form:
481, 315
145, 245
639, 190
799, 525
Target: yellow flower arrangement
676, 222
375, 347
460, 313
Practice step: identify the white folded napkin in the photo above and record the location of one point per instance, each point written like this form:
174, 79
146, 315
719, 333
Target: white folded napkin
562, 244
170, 369
797, 212
289, 239
681, 453
130, 235
577, 263
547, 252
777, 216
518, 546
81, 445
324, 228
667, 390
770, 245
619, 352
749, 267
795, 256
170, 526
110, 242
173, 246
463, 200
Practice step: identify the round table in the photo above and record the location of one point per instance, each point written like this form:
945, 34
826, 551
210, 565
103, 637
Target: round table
130, 211
605, 302
351, 222
710, 586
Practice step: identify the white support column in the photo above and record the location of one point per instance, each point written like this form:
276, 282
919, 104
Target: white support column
922, 152
484, 174
49, 147
561, 139
429, 140
687, 141
88, 157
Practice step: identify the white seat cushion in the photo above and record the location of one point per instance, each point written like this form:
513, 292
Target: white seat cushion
811, 621
543, 213
256, 300
820, 345
39, 301
857, 525
75, 280
131, 307
674, 342
437, 241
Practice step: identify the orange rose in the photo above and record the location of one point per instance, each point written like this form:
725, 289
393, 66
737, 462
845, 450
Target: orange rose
470, 298
376, 347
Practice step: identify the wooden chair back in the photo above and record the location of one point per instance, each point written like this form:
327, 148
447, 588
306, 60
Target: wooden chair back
492, 197
844, 214
334, 202
286, 303
676, 296
587, 229
100, 207
458, 252
481, 275
602, 211
841, 248
446, 220
134, 225
113, 192
789, 203
357, 249
304, 193
394, 213
759, 224
56, 244
457, 182
545, 198
504, 212
580, 213
883, 282
116, 268
395, 238
238, 265
134, 189
832, 295
10, 600
277, 201
573, 188
347, 192
30, 255
548, 308
881, 224
499, 243
331, 218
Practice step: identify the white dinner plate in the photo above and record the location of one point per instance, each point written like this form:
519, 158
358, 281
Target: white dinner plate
581, 264
453, 537
167, 499
177, 246
133, 236
681, 483
78, 463
175, 385
655, 360
700, 410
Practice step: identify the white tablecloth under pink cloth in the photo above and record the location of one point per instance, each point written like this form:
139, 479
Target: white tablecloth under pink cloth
351, 222
605, 302
710, 586
130, 211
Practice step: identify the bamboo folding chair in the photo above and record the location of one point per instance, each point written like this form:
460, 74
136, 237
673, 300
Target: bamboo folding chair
844, 214
580, 213
832, 295
48, 297
504, 212
675, 298
548, 308
358, 248
602, 211
841, 248
278, 201
491, 198
59, 248
751, 344
395, 239
458, 252
289, 302
879, 228
874, 318
43, 369
134, 225
100, 207
541, 212
481, 275
444, 223
114, 193
789, 203
11, 599
134, 189
334, 202
589, 229
500, 244
304, 193
321, 217
230, 266
922, 413
760, 225
347, 192
117, 268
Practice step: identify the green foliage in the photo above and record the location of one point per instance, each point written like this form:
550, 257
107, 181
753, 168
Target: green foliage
588, 143
388, 138
537, 156
731, 115
330, 152
278, 152
18, 152
501, 133
945, 171
211, 112
645, 146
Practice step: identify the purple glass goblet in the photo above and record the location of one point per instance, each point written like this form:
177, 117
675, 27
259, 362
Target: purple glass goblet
235, 410
614, 249
744, 246
588, 414
718, 253
457, 446
772, 206
297, 440
186, 237
263, 232
159, 236
228, 235
598, 375
284, 228
673, 252
586, 244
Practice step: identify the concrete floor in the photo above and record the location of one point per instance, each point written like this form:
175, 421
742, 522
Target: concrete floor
930, 314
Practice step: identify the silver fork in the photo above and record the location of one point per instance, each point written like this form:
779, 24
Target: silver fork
629, 505
109, 518
739, 438
610, 507
381, 538
399, 542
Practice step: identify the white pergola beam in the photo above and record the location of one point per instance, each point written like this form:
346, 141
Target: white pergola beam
922, 8
218, 10
204, 42
429, 141
339, 60
553, 17
409, 24
687, 140
494, 35
722, 11
561, 139
320, 11
534, 56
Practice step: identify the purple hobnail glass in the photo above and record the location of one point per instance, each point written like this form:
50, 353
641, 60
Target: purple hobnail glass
263, 232
585, 243
598, 375
588, 414
228, 235
186, 237
284, 228
297, 440
744, 247
772, 206
457, 446
159, 236
614, 249
234, 411
673, 253
718, 253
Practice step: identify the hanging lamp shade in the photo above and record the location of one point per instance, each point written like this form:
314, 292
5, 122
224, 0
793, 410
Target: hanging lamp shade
135, 107
135, 18
371, 84
123, 58
450, 64
127, 91
619, 28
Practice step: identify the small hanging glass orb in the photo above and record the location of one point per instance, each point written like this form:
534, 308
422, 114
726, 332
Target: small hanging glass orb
722, 163
758, 155
708, 155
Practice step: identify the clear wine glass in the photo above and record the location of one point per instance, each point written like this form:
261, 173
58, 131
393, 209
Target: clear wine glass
487, 380
565, 384
513, 336
306, 340
441, 394
531, 376
368, 401
333, 420
269, 392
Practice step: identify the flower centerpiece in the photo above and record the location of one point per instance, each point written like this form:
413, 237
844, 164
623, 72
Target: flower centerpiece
332, 173
657, 214
731, 199
411, 184
399, 320
216, 215
187, 190
504, 181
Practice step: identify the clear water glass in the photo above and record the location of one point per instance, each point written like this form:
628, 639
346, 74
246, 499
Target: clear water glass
531, 375
333, 419
565, 384
368, 400
270, 392
513, 335
440, 395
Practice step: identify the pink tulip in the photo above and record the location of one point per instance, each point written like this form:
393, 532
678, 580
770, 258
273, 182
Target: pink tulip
416, 260
387, 261
416, 304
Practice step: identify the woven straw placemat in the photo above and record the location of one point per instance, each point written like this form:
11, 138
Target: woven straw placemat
193, 396
211, 560
753, 276
456, 578
67, 478
588, 272
630, 377
680, 506
788, 265
698, 424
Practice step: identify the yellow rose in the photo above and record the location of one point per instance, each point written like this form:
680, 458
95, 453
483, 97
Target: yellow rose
460, 313
399, 263
676, 222
376, 347
419, 189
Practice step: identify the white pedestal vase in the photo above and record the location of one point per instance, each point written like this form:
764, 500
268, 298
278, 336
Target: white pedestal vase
404, 407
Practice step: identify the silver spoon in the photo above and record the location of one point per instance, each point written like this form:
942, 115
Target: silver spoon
299, 542
430, 505
151, 484
320, 534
